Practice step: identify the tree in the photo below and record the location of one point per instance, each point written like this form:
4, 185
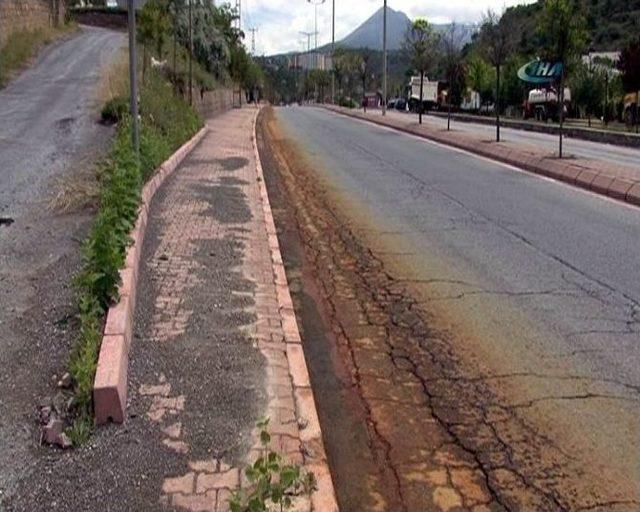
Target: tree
452, 43
513, 90
480, 77
588, 89
154, 25
496, 42
562, 33
339, 67
361, 66
629, 66
421, 44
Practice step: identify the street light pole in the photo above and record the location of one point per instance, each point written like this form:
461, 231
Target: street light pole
333, 51
384, 59
190, 56
133, 77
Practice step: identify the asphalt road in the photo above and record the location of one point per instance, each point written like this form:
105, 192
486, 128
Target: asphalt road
536, 281
619, 155
48, 131
48, 114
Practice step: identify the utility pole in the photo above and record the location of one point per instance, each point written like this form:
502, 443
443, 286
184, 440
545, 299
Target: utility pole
333, 51
239, 12
133, 76
384, 59
190, 56
308, 36
316, 3
253, 31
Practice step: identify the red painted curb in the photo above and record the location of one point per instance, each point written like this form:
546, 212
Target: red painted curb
110, 384
579, 176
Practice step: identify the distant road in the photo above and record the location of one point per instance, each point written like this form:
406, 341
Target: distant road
581, 148
48, 115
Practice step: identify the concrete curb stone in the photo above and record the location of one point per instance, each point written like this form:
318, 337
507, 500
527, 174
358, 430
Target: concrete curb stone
110, 383
314, 455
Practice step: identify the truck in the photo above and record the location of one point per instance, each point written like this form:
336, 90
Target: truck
542, 104
430, 93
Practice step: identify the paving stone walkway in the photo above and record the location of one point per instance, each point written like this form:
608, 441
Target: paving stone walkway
219, 344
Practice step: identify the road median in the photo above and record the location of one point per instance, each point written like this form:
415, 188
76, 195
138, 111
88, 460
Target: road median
618, 182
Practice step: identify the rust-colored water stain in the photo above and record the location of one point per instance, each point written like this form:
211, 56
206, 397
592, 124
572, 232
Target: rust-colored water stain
438, 436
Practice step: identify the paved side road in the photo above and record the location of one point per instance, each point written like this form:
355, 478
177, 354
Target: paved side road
211, 352
48, 129
48, 114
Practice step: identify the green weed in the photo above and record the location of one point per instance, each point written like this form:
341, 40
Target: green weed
273, 482
22, 45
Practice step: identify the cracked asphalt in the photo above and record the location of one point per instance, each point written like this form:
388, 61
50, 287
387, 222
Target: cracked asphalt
482, 324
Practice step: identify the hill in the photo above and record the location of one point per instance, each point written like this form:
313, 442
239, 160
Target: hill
369, 34
610, 24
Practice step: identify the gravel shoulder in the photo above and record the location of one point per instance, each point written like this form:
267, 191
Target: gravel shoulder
48, 133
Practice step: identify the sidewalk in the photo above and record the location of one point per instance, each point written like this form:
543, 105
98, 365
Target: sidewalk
619, 182
215, 349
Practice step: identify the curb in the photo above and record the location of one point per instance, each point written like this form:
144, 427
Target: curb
324, 499
589, 178
110, 384
622, 139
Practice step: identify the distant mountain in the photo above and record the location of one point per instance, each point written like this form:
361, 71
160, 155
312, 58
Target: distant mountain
369, 34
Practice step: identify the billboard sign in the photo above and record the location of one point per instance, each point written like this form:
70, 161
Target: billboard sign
540, 72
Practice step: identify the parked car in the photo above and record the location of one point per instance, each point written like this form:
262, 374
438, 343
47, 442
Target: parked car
401, 104
392, 103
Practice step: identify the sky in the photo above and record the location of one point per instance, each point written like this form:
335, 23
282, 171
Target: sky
280, 22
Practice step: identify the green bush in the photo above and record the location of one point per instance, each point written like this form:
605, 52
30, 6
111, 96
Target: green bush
115, 110
347, 102
166, 122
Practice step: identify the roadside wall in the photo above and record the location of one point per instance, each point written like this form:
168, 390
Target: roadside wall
17, 15
213, 102
100, 17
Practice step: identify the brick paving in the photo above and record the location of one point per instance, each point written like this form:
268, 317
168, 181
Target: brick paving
215, 208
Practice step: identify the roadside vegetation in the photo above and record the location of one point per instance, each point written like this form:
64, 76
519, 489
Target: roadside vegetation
274, 484
23, 45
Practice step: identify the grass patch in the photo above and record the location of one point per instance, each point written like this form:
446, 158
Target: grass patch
166, 123
22, 46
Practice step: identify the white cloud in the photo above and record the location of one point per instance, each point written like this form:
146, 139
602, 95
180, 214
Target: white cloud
280, 22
